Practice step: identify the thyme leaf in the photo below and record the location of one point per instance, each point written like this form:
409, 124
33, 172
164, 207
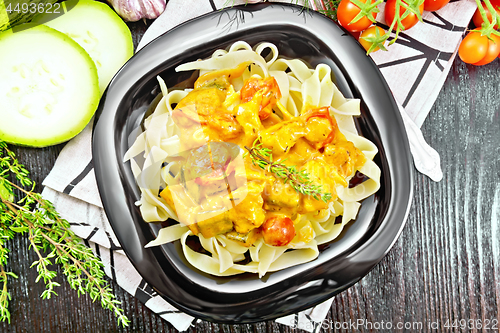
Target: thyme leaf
50, 238
298, 179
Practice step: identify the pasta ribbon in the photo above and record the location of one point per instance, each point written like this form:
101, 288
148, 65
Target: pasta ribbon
221, 197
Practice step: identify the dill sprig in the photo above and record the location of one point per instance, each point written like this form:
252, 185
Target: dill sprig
298, 179
330, 8
50, 238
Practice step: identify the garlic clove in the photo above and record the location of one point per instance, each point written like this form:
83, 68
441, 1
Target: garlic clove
134, 10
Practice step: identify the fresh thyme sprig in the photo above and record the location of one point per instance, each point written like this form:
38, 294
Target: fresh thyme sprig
51, 239
299, 180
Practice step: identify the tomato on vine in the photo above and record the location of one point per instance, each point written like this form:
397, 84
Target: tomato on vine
433, 5
473, 47
478, 19
492, 52
373, 39
355, 34
478, 49
357, 15
411, 18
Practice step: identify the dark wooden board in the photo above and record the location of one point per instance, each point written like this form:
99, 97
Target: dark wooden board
443, 270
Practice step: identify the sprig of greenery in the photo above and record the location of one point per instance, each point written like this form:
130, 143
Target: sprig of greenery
4, 293
50, 238
299, 180
330, 8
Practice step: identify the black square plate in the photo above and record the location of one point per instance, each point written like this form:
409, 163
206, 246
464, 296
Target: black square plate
298, 33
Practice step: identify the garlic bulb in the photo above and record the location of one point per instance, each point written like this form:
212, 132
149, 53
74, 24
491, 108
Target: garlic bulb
134, 10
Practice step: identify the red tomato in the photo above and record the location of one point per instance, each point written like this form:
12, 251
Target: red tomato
370, 32
390, 14
355, 34
478, 19
492, 52
278, 231
346, 13
311, 117
267, 91
473, 47
433, 5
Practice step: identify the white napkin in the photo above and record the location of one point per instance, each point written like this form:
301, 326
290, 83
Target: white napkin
415, 69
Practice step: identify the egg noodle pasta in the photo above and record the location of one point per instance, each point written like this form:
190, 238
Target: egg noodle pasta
254, 162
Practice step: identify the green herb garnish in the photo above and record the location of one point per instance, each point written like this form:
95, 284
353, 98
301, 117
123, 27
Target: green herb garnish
299, 180
50, 238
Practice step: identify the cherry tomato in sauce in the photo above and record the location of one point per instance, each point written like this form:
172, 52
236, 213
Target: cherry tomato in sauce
278, 231
267, 90
320, 126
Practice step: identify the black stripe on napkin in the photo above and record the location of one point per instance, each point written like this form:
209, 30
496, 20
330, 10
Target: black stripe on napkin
431, 55
112, 245
167, 312
213, 5
314, 324
147, 288
144, 292
446, 25
112, 248
97, 250
79, 178
142, 296
96, 229
112, 264
79, 224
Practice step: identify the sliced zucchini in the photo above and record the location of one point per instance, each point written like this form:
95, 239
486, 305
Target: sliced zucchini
49, 88
15, 12
99, 30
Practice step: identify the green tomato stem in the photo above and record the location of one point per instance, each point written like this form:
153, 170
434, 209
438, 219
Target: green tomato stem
481, 10
488, 27
494, 15
365, 9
